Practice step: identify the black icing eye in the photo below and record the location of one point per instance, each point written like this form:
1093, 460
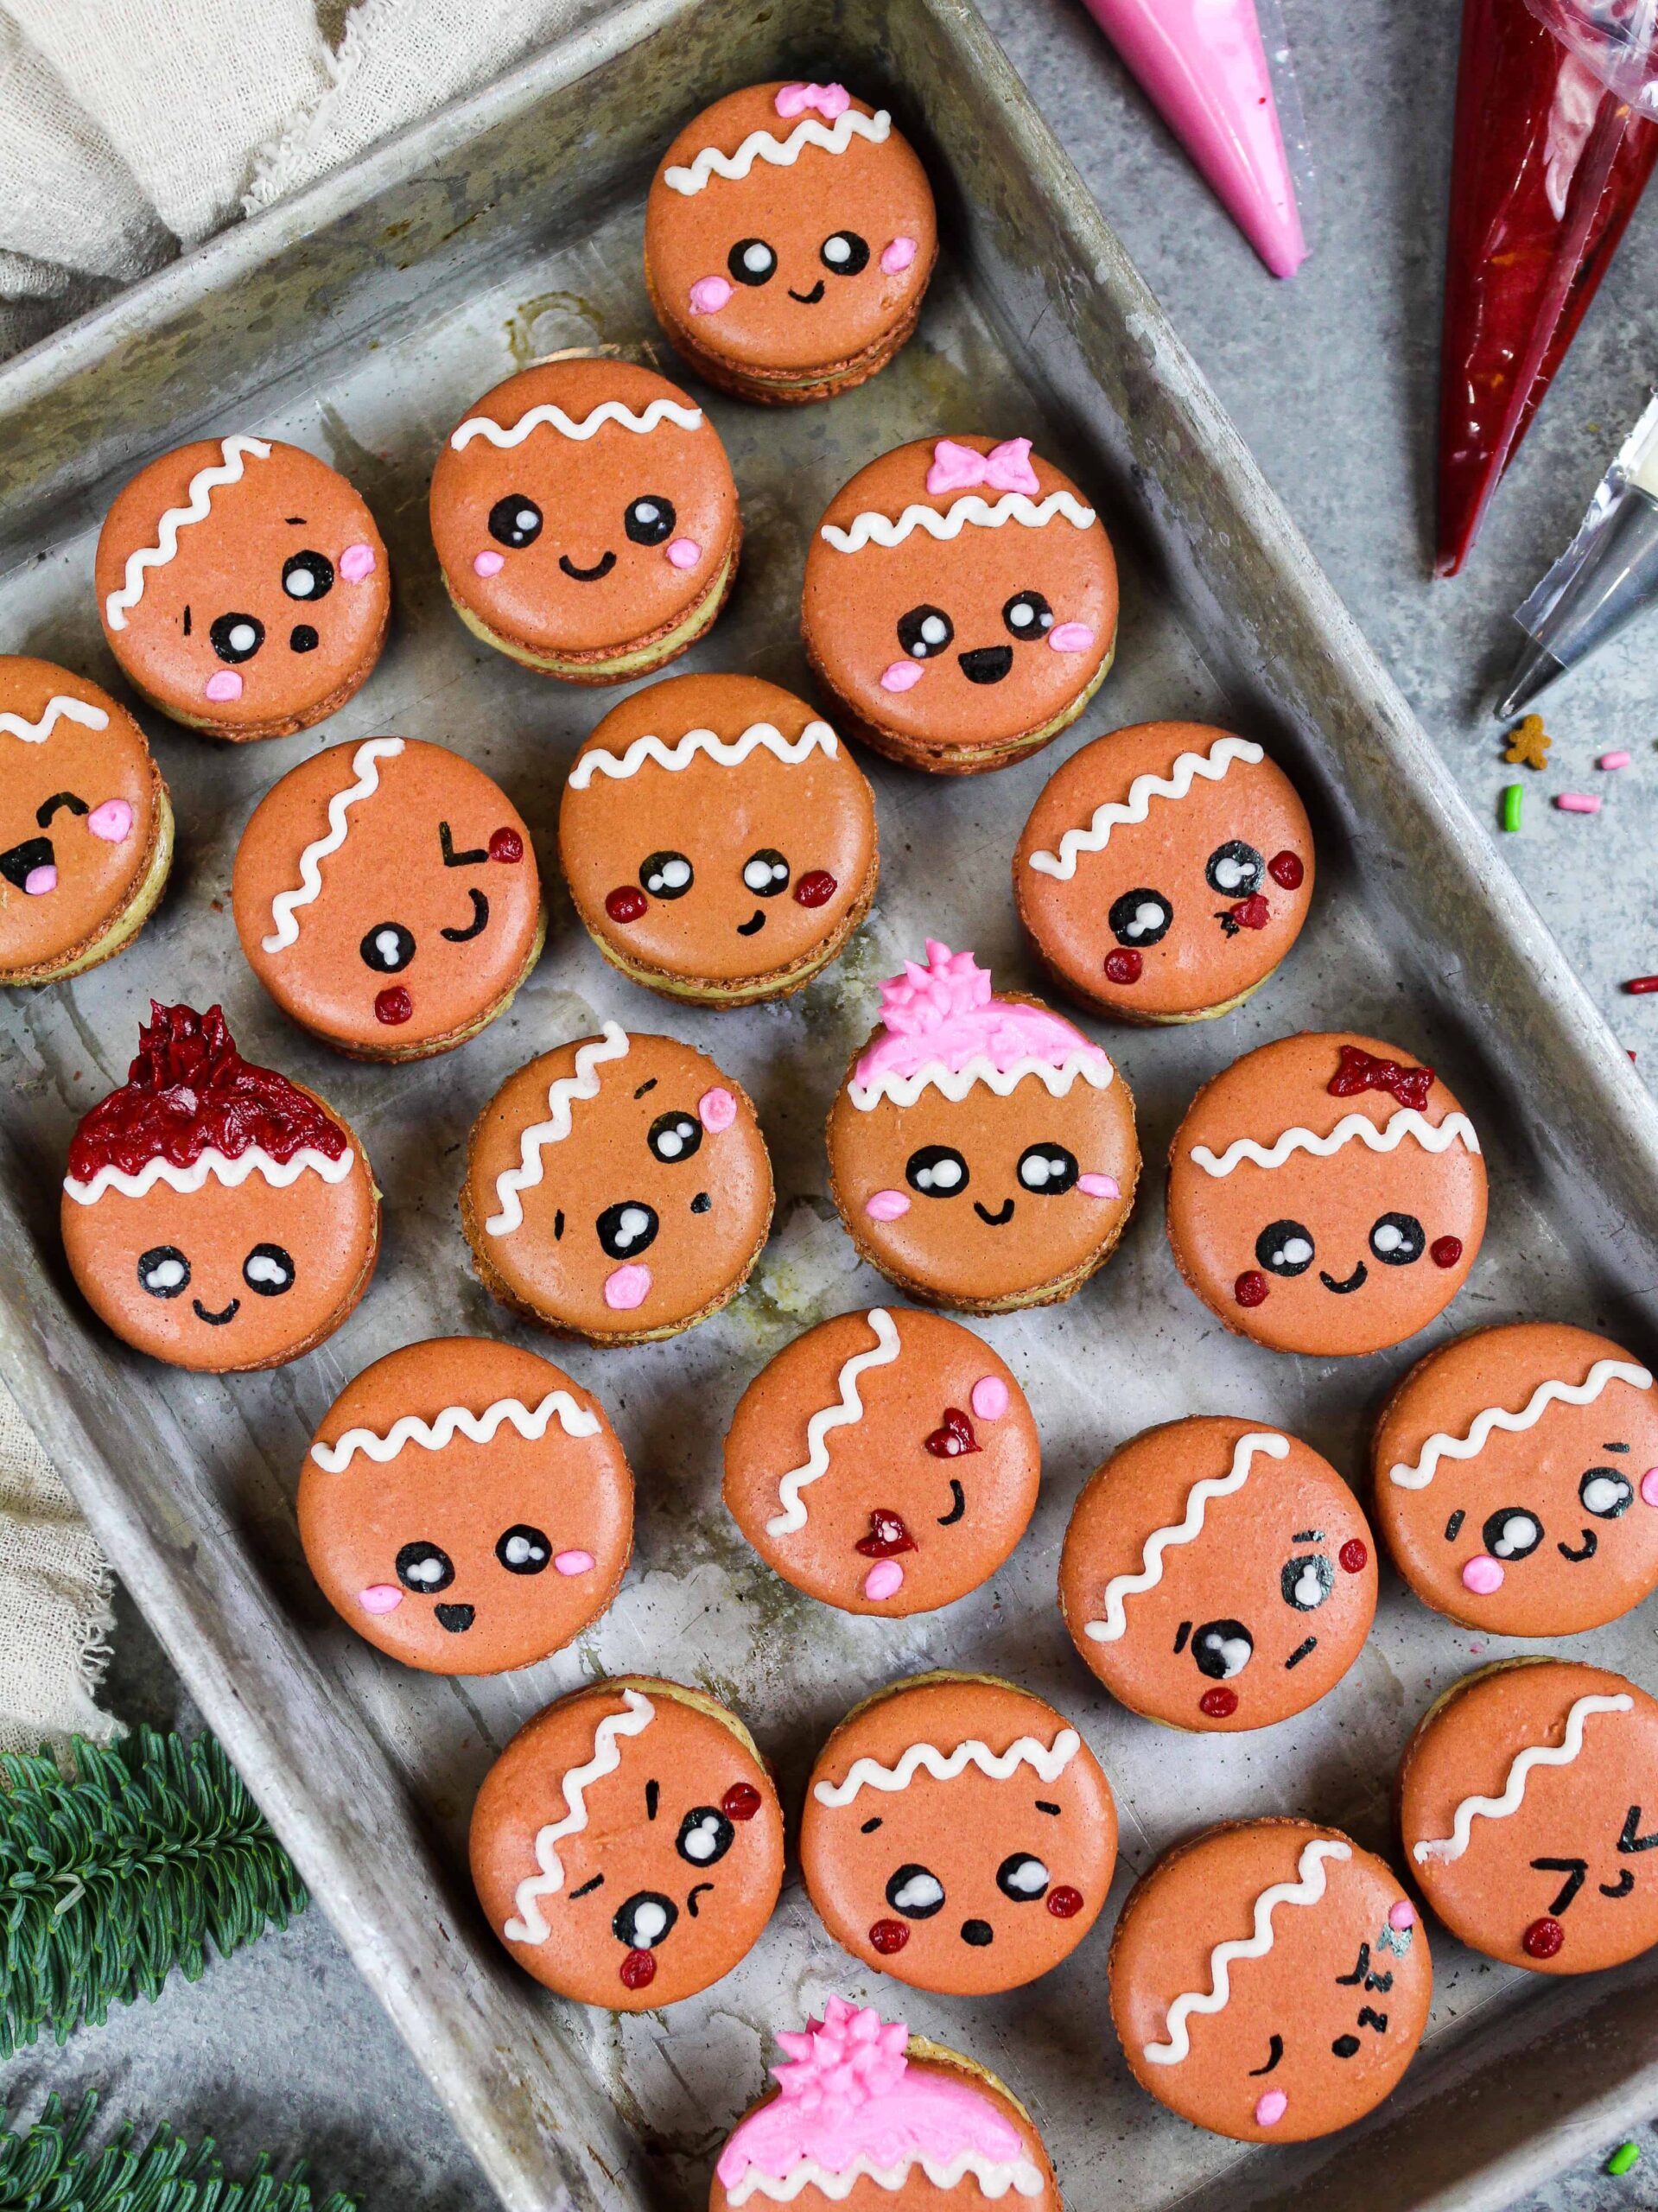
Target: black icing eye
845, 252
424, 1568
1048, 1168
1222, 1649
705, 1835
236, 637
765, 872
925, 630
916, 1891
523, 1550
627, 1229
650, 521
515, 521
1022, 1877
1512, 1532
1284, 1248
387, 948
1307, 1581
1397, 1239
1141, 918
1027, 614
308, 575
269, 1270
938, 1171
674, 1136
1606, 1492
163, 1271
667, 875
1234, 869
751, 261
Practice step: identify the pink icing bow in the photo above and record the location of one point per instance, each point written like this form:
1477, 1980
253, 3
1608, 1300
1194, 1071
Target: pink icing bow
830, 101
1006, 467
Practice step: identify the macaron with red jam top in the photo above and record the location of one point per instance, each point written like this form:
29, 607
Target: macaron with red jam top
864, 2112
884, 1462
958, 1834
1326, 1195
1527, 1805
1165, 872
585, 518
466, 1507
719, 840
85, 825
618, 1189
1270, 1981
789, 236
961, 603
981, 1149
386, 896
215, 1214
627, 1844
1516, 1480
243, 587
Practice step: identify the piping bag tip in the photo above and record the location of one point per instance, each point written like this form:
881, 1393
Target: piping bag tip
1534, 671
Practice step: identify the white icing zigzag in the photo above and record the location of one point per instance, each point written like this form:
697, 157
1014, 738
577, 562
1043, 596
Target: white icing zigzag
868, 1774
848, 1409
781, 153
1150, 1574
612, 1045
367, 782
995, 2176
1012, 506
531, 1424
1385, 1136
279, 1173
816, 737
203, 484
59, 708
1211, 765
1092, 1065
1441, 1850
1418, 1474
1307, 1888
529, 1927
608, 410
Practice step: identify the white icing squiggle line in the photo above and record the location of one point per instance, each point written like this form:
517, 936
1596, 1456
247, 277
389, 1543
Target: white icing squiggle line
367, 782
612, 1045
531, 1424
1307, 1888
1150, 1574
1177, 785
1049, 1762
1442, 1850
203, 484
816, 737
995, 2177
1012, 506
59, 708
781, 153
1384, 1136
529, 1927
1091, 1063
608, 410
848, 1409
279, 1173
1418, 1474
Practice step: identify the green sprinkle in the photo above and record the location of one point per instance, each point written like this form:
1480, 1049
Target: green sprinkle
1512, 797
1625, 2156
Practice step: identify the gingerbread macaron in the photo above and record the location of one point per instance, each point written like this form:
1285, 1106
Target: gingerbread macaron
1528, 1804
216, 1215
627, 1844
1217, 1574
958, 1834
719, 840
961, 602
789, 236
585, 518
243, 587
1326, 1195
466, 1507
386, 896
1165, 871
1269, 1981
86, 827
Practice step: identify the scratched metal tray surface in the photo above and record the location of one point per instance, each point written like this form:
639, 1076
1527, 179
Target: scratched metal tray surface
358, 320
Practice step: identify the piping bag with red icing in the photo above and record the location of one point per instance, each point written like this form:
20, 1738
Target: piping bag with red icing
1203, 65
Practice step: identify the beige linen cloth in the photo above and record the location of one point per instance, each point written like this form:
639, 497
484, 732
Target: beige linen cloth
129, 131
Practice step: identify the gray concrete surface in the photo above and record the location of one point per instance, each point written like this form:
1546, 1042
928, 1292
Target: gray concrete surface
1331, 380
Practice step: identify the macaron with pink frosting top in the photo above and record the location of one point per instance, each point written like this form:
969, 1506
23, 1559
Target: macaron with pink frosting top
981, 1149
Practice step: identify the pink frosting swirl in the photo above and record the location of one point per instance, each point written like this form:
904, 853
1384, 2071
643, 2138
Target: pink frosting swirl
945, 1013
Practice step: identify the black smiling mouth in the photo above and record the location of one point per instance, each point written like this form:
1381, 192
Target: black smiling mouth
1585, 1550
216, 1320
476, 926
753, 925
586, 575
1274, 2052
808, 299
456, 1619
986, 663
1359, 1275
1001, 1216
958, 1505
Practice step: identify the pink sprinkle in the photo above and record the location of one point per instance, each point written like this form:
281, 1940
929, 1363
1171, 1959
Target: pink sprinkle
573, 1562
1071, 637
1577, 802
886, 1205
356, 562
709, 295
1099, 1186
380, 1598
224, 683
1270, 2108
1402, 1915
488, 563
628, 1287
1482, 1575
684, 552
1614, 760
898, 257
989, 1397
112, 822
1650, 1487
831, 100
717, 1109
883, 1579
902, 676
40, 880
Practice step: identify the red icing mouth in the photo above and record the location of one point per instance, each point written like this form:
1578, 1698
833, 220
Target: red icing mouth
506, 845
742, 1802
627, 903
1286, 869
1353, 1556
1543, 1939
887, 1534
816, 888
1123, 967
1064, 1903
638, 1970
1446, 1251
1220, 1703
1252, 914
954, 1438
393, 1005
1250, 1288
888, 1936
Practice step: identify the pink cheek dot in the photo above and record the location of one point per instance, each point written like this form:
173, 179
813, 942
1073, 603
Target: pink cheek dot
684, 552
1402, 1915
1270, 2108
1099, 1186
112, 822
1482, 1575
884, 1579
898, 257
40, 880
709, 295
886, 1205
1650, 1487
1071, 637
356, 562
989, 1398
380, 1598
628, 1287
488, 564
902, 676
225, 684
716, 1110
573, 1562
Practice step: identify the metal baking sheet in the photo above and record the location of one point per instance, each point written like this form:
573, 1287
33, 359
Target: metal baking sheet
359, 319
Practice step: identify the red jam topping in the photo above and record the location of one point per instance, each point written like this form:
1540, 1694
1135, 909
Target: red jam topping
393, 1005
953, 1436
629, 904
816, 888
742, 1802
506, 845
1446, 1251
1286, 869
1252, 914
1250, 1288
638, 1970
888, 1936
1123, 967
887, 1535
1064, 1903
1543, 1939
1220, 1703
1354, 1557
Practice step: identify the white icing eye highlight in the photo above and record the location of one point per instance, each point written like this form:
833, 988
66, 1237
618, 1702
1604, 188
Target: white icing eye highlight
765, 872
1140, 918
845, 252
925, 630
1047, 1168
675, 1136
308, 575
1398, 1239
1234, 869
1307, 1581
236, 637
1027, 614
1512, 1532
667, 875
1022, 1877
705, 1836
938, 1170
751, 261
269, 1270
1284, 1248
163, 1271
424, 1567
1606, 1492
916, 1891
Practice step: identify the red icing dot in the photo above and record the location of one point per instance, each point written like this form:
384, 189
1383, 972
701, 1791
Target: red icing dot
1253, 913
1354, 1557
628, 903
638, 1970
1446, 1251
742, 1802
1285, 868
953, 1437
393, 1005
888, 1936
1250, 1288
1543, 1939
1220, 1703
506, 845
1064, 1903
1123, 967
887, 1534
816, 888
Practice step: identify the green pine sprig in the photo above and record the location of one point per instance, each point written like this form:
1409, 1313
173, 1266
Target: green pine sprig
50, 2169
149, 1857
